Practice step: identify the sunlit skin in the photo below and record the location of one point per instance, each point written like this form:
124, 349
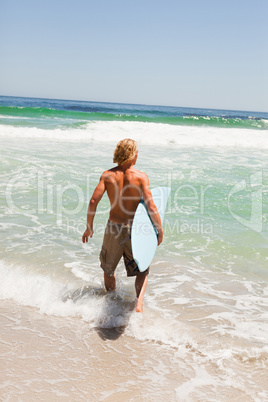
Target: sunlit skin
125, 186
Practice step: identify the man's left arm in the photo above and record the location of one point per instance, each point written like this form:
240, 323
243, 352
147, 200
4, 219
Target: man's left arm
92, 207
151, 207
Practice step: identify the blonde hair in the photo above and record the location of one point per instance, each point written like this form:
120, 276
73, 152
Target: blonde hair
125, 150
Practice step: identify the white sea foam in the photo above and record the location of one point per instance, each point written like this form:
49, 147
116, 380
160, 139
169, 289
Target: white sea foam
67, 295
207, 335
147, 133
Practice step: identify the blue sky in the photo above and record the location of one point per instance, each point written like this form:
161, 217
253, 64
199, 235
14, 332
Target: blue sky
192, 53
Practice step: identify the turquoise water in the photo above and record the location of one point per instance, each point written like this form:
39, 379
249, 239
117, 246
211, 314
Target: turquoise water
208, 282
46, 113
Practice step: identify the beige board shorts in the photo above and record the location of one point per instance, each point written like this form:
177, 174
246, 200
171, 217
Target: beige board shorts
117, 243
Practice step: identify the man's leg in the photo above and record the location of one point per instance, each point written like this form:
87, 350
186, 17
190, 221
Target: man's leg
109, 282
140, 285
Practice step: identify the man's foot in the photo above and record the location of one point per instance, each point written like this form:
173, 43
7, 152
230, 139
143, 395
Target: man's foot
139, 307
140, 285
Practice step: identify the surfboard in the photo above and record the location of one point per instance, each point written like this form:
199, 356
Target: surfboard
143, 233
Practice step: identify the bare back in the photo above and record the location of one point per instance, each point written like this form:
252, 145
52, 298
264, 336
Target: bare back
125, 189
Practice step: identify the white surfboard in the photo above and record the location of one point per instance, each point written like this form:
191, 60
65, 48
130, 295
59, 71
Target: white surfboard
143, 233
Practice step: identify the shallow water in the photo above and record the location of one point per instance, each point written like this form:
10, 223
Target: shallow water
206, 300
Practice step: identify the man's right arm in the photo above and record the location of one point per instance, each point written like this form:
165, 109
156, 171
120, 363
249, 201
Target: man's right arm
151, 207
92, 207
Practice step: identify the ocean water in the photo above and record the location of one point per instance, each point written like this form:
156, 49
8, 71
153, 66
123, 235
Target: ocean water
206, 300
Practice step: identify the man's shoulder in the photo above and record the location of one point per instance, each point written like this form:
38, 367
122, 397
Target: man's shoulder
133, 173
139, 174
107, 174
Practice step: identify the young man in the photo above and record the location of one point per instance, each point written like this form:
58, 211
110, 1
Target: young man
125, 186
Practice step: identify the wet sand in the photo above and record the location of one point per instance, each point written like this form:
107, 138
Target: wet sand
54, 358
49, 358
